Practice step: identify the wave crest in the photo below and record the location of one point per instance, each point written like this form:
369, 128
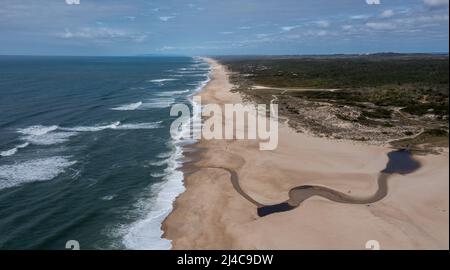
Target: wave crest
14, 150
128, 107
43, 169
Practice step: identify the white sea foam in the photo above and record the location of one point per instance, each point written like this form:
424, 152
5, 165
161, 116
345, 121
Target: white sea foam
23, 145
9, 152
165, 159
14, 150
172, 93
108, 197
165, 154
190, 73
33, 170
162, 81
201, 66
128, 107
41, 135
195, 68
115, 126
49, 138
158, 175
37, 130
93, 128
157, 103
153, 103
150, 125
158, 163
44, 135
146, 233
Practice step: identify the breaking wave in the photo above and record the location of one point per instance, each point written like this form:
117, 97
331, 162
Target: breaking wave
43, 169
14, 150
128, 107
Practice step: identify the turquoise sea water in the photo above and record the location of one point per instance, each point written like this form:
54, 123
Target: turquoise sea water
85, 149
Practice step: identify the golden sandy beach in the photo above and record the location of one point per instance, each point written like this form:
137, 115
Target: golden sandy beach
211, 214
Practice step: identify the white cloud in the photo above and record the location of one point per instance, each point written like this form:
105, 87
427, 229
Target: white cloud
373, 2
262, 35
73, 2
89, 32
436, 3
139, 37
102, 33
347, 27
186, 48
381, 25
167, 48
296, 36
359, 17
226, 33
289, 28
323, 24
422, 20
245, 27
166, 18
387, 13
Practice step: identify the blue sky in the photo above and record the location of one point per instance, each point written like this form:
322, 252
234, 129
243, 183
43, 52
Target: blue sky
205, 27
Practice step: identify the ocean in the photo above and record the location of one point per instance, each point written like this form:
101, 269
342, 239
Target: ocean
85, 149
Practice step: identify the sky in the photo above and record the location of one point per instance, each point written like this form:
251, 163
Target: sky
222, 27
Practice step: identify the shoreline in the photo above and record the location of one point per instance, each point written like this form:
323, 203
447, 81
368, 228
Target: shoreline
210, 214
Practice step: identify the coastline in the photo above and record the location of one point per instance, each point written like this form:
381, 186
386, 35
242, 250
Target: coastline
210, 214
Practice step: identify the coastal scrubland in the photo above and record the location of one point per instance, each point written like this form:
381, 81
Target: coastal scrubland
401, 99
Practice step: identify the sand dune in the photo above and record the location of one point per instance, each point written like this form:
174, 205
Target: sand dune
212, 215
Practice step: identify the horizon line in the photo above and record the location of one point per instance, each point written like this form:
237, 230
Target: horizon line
219, 55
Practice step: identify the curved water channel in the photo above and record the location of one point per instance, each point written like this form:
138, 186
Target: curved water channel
400, 162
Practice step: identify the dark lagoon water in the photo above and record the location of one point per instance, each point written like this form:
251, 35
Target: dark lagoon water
85, 149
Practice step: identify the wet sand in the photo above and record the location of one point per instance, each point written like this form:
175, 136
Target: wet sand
215, 213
